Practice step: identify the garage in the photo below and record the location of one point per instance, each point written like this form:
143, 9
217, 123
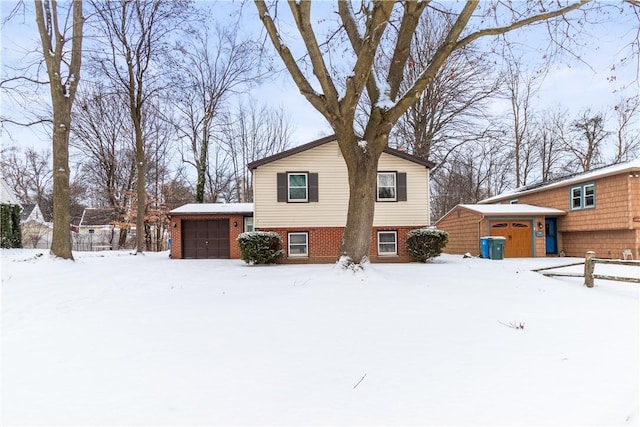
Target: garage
205, 239
518, 234
525, 228
209, 230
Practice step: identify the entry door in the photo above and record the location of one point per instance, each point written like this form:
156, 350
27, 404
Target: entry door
551, 236
205, 239
518, 235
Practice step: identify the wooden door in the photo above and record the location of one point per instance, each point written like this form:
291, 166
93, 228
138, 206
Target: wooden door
519, 243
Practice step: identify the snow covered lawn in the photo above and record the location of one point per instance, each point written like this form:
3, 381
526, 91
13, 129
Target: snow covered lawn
123, 340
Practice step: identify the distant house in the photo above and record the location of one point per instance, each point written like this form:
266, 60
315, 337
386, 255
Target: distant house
95, 230
36, 232
302, 194
596, 211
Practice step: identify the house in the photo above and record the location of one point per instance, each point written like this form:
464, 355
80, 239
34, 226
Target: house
596, 211
7, 196
36, 232
302, 194
95, 230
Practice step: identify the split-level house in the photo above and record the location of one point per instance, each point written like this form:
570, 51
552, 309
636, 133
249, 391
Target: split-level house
596, 211
302, 194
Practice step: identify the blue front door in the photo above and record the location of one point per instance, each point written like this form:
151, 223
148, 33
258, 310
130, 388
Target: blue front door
551, 235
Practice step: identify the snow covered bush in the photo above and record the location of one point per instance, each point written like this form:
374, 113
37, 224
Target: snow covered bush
260, 247
426, 243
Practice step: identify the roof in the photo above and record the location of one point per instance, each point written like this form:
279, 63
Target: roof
632, 166
332, 138
98, 216
213, 208
513, 209
27, 209
7, 195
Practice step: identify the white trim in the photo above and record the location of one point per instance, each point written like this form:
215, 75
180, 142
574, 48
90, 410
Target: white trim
306, 244
306, 187
395, 242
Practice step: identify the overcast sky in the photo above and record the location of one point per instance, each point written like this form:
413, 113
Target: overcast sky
570, 84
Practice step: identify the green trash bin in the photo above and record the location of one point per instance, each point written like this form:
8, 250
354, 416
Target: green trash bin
496, 247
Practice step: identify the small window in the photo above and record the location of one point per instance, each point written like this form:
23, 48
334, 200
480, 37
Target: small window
248, 224
582, 196
576, 198
387, 186
387, 243
589, 196
298, 244
297, 187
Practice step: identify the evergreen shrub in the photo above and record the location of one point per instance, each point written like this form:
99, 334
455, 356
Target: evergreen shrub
260, 247
424, 244
10, 229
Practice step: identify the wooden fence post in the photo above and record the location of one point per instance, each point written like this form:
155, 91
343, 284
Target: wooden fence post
589, 266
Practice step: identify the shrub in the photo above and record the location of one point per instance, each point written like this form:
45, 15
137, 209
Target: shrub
10, 229
260, 247
426, 243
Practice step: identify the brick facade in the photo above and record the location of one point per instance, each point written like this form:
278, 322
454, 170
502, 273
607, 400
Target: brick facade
324, 244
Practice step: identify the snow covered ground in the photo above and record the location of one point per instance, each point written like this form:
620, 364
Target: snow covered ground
116, 339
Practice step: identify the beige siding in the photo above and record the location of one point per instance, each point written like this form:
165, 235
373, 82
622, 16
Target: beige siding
333, 192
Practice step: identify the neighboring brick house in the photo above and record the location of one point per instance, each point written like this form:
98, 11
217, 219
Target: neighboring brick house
592, 211
303, 194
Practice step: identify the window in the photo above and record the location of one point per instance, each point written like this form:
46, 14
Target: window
298, 244
297, 187
248, 223
387, 243
582, 196
387, 186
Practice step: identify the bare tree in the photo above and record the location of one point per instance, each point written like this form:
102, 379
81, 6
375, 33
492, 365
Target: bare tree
473, 173
63, 67
102, 135
585, 141
252, 132
520, 87
627, 138
136, 36
397, 22
550, 149
452, 108
212, 69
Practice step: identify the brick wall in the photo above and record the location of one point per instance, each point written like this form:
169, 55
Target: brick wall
324, 244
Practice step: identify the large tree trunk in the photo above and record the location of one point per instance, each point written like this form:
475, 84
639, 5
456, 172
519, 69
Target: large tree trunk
362, 167
63, 84
140, 187
61, 238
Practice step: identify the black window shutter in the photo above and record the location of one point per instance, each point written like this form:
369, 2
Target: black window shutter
282, 187
401, 183
313, 187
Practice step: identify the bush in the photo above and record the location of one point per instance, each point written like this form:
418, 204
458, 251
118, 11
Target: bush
426, 243
260, 247
10, 229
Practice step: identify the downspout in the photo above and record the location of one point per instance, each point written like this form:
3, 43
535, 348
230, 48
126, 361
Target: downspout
482, 218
